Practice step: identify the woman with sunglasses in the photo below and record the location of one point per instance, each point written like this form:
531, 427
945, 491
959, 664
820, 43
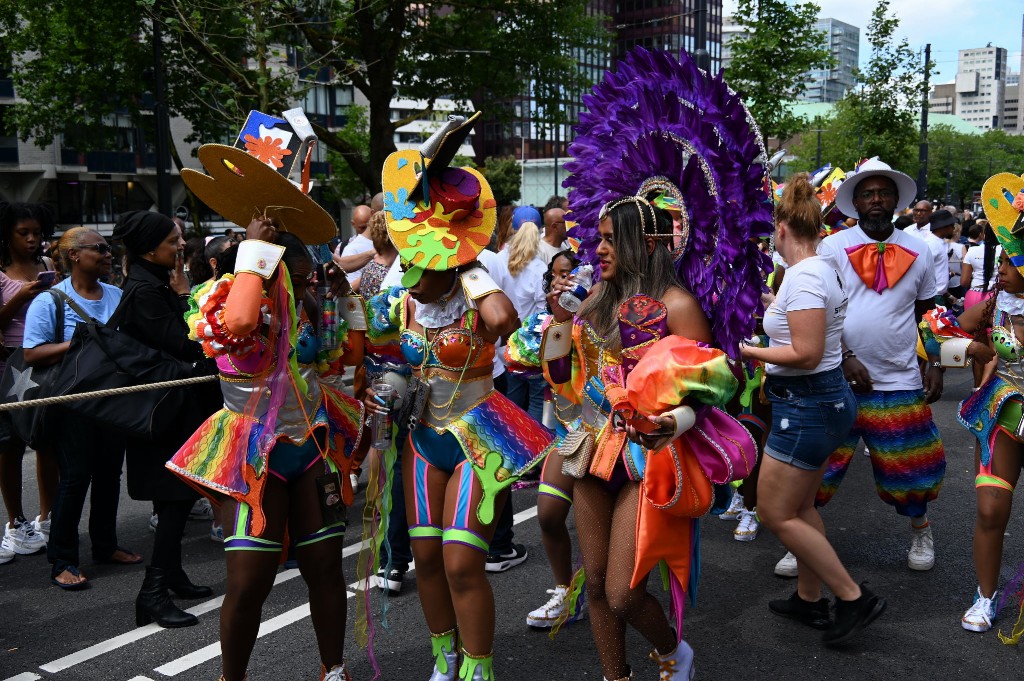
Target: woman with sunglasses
86, 453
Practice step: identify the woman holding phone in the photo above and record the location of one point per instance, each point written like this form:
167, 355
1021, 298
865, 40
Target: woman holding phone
24, 273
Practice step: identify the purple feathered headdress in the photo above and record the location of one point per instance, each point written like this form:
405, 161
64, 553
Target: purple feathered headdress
661, 116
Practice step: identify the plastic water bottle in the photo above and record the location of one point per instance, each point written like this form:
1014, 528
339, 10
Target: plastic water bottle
328, 312
380, 424
582, 279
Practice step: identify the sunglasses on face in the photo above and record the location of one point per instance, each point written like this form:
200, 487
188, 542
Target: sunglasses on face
102, 249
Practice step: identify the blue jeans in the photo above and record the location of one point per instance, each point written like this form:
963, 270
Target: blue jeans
811, 415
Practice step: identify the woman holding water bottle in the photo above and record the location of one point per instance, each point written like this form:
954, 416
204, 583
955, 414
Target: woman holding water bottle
467, 442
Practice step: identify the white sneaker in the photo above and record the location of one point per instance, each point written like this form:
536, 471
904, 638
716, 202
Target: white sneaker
980, 615
787, 566
22, 539
354, 479
217, 533
735, 507
922, 549
154, 520
42, 527
338, 673
6, 554
545, 616
748, 526
201, 510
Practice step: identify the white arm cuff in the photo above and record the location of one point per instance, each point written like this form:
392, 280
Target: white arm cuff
352, 311
685, 418
258, 257
556, 342
477, 283
953, 352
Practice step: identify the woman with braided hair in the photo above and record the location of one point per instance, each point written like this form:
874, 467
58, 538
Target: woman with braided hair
994, 412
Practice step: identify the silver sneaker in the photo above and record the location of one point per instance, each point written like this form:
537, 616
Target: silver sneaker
735, 507
922, 549
748, 526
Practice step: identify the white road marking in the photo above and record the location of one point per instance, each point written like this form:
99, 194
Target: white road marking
213, 650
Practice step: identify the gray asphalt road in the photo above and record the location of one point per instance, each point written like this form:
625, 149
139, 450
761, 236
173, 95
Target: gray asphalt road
90, 635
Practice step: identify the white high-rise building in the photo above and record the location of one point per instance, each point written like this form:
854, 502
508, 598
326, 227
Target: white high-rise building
843, 42
981, 85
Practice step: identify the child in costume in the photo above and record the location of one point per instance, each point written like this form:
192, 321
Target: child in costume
276, 457
647, 354
993, 413
467, 442
554, 496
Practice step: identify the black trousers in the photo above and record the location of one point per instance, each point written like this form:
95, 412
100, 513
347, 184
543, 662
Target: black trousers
86, 455
172, 516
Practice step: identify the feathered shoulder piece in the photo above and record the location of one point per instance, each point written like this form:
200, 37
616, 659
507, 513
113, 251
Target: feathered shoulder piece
662, 128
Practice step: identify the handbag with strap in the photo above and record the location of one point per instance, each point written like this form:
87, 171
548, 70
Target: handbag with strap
101, 358
22, 382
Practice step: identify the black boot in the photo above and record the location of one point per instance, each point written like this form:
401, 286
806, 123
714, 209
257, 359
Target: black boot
182, 586
154, 603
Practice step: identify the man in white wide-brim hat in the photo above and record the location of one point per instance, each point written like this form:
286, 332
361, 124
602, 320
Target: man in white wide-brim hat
890, 281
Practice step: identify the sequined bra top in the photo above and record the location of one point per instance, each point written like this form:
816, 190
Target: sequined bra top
456, 348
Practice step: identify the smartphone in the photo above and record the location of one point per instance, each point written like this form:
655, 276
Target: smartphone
49, 278
644, 425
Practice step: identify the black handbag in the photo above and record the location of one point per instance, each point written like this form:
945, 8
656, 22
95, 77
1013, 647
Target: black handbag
22, 382
101, 358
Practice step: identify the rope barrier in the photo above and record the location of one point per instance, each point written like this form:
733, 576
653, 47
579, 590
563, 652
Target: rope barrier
109, 392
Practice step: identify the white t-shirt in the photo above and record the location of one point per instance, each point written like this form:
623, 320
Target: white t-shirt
811, 284
976, 259
526, 289
881, 328
547, 252
356, 245
940, 256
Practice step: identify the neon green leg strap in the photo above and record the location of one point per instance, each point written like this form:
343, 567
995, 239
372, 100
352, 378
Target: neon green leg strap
471, 664
443, 643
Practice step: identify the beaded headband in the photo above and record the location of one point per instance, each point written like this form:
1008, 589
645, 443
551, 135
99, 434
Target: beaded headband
640, 203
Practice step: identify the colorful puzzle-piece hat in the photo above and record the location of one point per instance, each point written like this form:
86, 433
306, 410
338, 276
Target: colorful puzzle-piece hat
253, 177
1002, 198
438, 217
827, 181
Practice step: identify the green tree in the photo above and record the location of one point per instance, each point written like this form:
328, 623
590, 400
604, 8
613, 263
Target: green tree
505, 176
961, 162
74, 63
883, 109
770, 60
343, 183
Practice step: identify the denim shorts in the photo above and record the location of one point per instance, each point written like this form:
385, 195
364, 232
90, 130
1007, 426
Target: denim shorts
811, 415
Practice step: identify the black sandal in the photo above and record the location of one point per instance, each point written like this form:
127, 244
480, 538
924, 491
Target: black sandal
72, 586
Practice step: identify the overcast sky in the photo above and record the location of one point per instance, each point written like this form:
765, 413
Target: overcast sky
949, 25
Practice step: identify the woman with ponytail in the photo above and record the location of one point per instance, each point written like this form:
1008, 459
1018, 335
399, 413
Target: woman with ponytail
813, 409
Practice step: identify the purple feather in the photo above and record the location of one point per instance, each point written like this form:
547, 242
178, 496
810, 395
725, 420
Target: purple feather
659, 115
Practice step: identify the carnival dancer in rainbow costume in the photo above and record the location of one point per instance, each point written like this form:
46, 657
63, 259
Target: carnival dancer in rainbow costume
995, 412
467, 443
277, 456
648, 354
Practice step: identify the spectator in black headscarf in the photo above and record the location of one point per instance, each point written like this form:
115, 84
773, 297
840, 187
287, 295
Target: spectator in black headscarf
156, 295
